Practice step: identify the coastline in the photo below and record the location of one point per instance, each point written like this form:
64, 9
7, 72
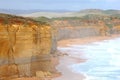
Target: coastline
82, 41
61, 60
66, 60
66, 73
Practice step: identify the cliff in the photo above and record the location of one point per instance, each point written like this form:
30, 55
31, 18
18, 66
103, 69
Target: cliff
25, 46
86, 26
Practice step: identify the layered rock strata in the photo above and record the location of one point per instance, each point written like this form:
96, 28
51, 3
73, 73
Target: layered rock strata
25, 46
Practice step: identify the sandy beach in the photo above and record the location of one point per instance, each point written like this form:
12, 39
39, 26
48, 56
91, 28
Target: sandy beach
66, 60
82, 41
67, 74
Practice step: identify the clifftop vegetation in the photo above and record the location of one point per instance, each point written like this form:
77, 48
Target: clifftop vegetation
7, 19
89, 19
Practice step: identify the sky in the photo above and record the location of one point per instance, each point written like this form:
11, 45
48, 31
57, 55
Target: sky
73, 5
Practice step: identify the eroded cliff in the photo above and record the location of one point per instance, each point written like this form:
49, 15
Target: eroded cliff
86, 26
25, 47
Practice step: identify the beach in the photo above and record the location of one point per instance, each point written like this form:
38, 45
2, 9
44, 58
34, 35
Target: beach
72, 58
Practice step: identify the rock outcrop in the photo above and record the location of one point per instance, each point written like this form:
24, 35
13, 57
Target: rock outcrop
25, 46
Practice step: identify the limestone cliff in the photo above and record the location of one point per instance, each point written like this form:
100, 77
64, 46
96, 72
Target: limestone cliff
87, 26
25, 46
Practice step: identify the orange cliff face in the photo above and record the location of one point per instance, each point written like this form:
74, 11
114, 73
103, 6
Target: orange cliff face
24, 46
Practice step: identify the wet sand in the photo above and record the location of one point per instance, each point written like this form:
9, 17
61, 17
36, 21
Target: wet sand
82, 41
67, 74
66, 60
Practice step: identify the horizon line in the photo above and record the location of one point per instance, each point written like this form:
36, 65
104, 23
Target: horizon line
58, 9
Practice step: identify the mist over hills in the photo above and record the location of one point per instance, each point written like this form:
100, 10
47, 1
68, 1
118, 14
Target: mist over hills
74, 13
17, 12
60, 13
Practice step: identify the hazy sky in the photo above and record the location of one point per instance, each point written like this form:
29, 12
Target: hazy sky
60, 4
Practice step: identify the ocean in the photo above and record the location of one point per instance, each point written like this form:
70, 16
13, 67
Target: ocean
103, 59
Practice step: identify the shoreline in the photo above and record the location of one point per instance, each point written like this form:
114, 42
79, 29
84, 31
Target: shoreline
65, 60
82, 41
61, 60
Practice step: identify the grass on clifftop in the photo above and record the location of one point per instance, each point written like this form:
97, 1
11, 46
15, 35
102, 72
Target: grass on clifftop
7, 19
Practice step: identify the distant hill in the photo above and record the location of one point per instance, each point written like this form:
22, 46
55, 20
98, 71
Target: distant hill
49, 14
111, 12
12, 11
73, 14
17, 12
60, 13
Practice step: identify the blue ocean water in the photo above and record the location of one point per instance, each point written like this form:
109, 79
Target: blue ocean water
103, 59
